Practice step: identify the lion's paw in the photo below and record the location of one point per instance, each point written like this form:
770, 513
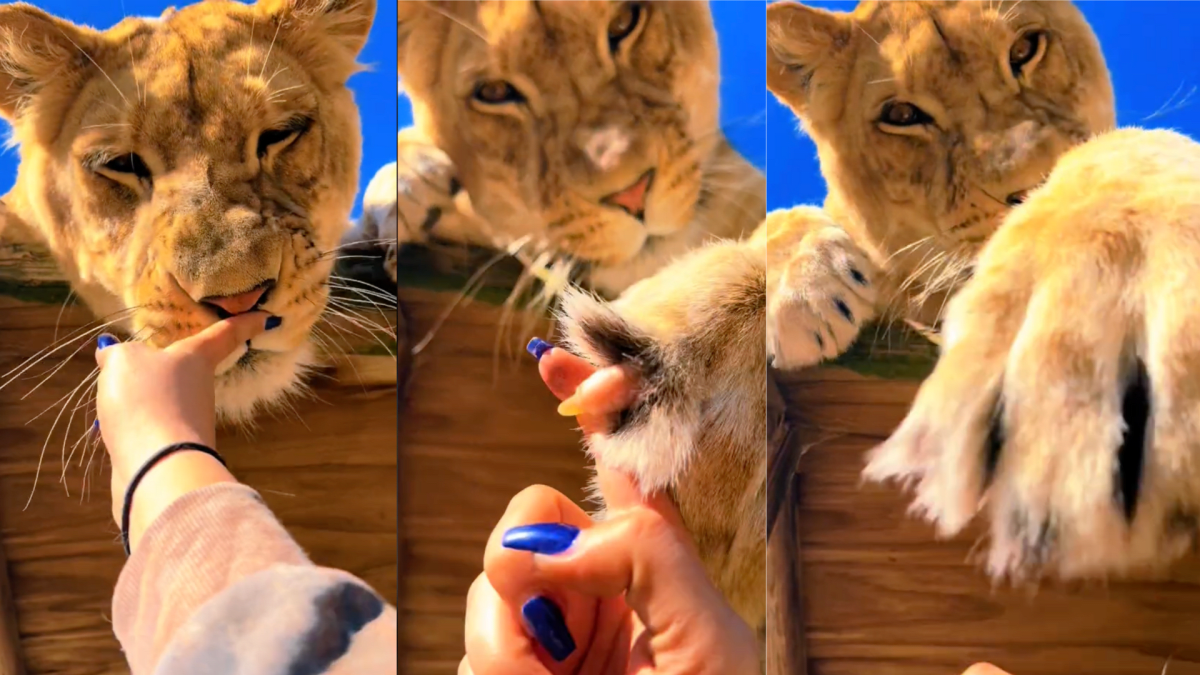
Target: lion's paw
1040, 411
821, 300
426, 186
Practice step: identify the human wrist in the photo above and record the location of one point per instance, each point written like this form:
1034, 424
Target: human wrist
166, 482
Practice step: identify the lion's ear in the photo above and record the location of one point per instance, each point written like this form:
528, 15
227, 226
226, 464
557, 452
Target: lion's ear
38, 50
329, 34
801, 41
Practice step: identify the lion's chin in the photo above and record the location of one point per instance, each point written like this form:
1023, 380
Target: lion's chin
258, 380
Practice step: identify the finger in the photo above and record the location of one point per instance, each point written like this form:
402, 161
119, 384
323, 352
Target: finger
496, 642
643, 556
588, 394
215, 343
508, 570
557, 620
621, 492
561, 370
102, 343
608, 390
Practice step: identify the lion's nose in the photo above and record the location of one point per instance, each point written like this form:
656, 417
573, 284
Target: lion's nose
231, 305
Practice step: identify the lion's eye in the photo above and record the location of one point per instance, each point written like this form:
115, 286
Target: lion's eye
900, 114
1024, 50
278, 137
128, 164
496, 92
624, 23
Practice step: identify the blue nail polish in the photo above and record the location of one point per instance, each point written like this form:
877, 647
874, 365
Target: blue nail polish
544, 538
545, 620
105, 341
273, 322
538, 347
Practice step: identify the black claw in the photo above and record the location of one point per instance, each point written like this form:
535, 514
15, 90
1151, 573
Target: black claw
455, 186
431, 218
995, 442
858, 277
844, 309
820, 340
1131, 456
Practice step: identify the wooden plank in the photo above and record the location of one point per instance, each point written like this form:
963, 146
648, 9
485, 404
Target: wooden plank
883, 596
479, 426
786, 644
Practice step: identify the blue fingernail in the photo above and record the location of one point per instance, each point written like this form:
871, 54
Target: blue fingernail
105, 341
545, 620
544, 538
538, 347
274, 322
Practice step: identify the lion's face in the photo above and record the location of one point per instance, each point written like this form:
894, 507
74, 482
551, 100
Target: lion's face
933, 118
194, 166
584, 125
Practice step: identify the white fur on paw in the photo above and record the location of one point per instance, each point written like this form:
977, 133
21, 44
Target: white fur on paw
425, 189
821, 302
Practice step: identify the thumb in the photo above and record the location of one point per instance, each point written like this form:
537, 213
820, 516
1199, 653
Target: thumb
621, 492
215, 343
641, 555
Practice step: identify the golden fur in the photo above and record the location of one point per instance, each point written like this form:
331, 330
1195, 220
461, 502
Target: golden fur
194, 156
1061, 401
920, 199
1069, 373
587, 116
697, 428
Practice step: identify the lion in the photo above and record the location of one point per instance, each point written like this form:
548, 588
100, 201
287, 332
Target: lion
986, 167
931, 120
190, 167
1065, 400
697, 427
581, 137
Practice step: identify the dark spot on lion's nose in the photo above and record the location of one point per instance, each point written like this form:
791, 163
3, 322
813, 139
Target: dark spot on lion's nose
1135, 409
1016, 198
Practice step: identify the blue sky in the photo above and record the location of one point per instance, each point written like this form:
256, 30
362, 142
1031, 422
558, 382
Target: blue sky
374, 90
1151, 51
742, 38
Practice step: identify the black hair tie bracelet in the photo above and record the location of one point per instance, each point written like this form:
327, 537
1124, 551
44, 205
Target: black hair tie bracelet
150, 463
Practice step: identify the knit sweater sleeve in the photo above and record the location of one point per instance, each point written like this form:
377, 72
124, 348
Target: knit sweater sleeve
217, 585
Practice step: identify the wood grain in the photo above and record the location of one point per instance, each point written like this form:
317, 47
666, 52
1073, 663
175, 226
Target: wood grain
478, 427
786, 644
327, 468
884, 597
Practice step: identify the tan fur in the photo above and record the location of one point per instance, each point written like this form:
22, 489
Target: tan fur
1095, 273
919, 201
190, 93
697, 429
535, 174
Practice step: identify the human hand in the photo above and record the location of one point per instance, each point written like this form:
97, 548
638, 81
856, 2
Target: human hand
626, 595
147, 399
592, 396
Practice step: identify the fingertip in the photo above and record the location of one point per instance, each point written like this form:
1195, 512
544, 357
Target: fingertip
607, 390
104, 342
538, 347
